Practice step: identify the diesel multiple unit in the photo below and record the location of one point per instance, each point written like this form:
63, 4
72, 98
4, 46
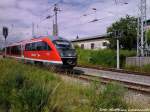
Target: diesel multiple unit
45, 50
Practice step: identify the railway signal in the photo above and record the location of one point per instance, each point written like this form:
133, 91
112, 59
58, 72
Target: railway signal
5, 34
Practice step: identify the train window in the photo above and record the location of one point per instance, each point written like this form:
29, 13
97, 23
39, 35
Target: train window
7, 50
37, 46
15, 50
42, 46
27, 47
33, 46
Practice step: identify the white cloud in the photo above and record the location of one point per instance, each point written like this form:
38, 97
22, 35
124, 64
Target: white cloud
21, 13
7, 3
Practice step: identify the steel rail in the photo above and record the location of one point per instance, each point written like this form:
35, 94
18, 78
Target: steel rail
117, 70
129, 85
105, 80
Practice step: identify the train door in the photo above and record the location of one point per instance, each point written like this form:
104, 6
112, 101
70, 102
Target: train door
30, 51
34, 52
43, 51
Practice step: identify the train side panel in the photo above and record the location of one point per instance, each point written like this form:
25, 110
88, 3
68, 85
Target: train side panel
45, 51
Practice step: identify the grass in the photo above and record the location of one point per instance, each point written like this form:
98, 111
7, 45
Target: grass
103, 58
145, 68
26, 88
107, 58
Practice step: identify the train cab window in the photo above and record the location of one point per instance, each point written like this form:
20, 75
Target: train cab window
63, 44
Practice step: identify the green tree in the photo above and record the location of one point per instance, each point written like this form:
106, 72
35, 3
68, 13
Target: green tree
128, 27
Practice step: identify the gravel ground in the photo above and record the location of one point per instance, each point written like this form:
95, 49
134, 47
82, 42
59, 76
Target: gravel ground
138, 99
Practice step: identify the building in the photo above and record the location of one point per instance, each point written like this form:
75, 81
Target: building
94, 42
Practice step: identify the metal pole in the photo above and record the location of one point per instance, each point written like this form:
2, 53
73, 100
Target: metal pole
142, 37
5, 48
33, 30
56, 24
138, 36
118, 60
143, 20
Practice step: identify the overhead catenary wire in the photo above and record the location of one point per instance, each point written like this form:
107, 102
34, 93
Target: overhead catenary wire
95, 12
61, 1
50, 8
80, 17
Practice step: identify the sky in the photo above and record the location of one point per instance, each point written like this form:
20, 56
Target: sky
73, 19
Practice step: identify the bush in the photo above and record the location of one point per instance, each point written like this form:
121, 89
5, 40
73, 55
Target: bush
103, 58
25, 88
114, 92
145, 68
33, 99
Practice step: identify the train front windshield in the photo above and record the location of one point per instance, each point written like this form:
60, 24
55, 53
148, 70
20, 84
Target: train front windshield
65, 48
63, 44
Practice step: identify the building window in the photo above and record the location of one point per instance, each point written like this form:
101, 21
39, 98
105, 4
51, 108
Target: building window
82, 46
92, 45
104, 43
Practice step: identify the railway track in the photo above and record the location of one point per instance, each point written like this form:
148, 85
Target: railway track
117, 70
129, 85
140, 87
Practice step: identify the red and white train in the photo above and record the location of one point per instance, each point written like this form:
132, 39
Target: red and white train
44, 50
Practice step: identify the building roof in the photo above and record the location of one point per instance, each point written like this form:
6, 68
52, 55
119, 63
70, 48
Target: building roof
91, 38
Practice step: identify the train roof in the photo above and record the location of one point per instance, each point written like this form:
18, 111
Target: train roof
39, 38
52, 38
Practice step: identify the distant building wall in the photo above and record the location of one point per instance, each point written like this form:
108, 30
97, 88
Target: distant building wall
95, 43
